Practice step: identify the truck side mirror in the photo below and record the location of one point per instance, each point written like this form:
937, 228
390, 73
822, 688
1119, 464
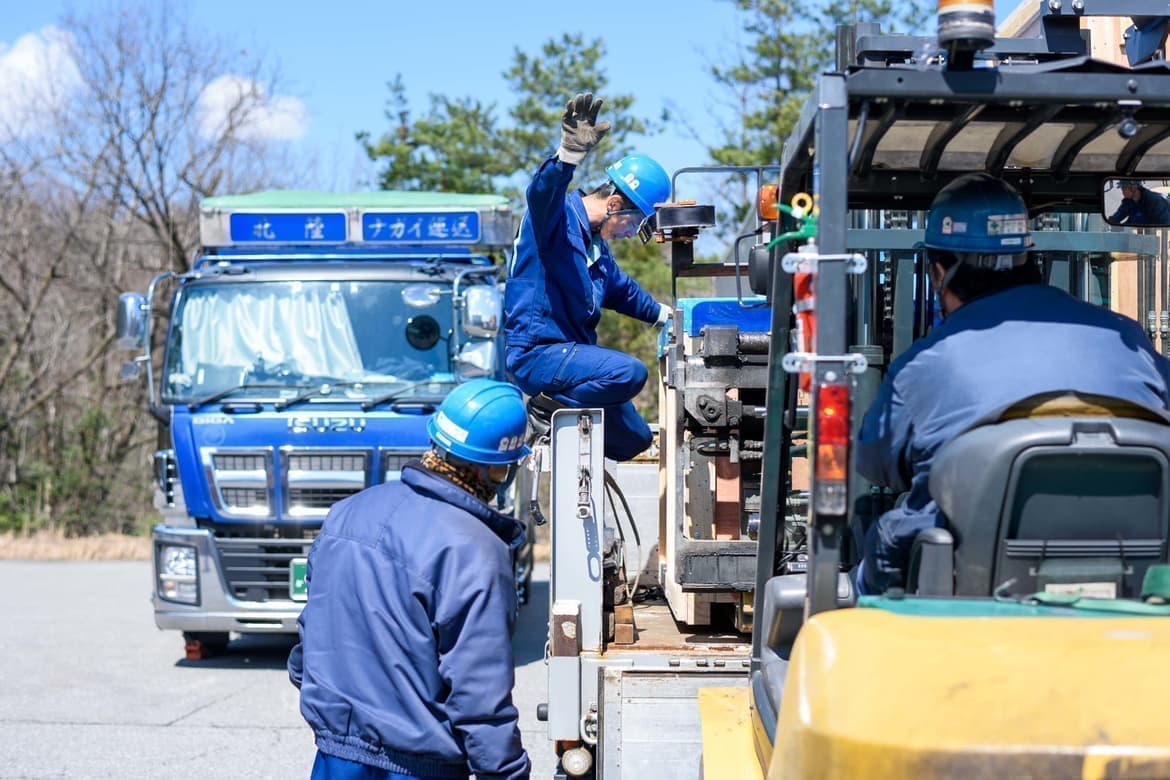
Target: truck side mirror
482, 311
130, 329
476, 358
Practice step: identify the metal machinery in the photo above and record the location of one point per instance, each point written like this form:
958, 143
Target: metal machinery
637, 628
714, 376
947, 680
303, 353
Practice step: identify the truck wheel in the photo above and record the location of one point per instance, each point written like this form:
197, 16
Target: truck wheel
204, 644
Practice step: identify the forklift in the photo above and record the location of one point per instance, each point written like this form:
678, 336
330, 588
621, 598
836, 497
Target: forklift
1030, 635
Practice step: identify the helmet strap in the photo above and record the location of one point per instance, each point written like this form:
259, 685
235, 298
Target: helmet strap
604, 219
945, 282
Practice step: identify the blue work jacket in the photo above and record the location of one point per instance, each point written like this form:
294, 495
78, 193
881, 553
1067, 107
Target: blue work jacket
560, 278
1152, 209
988, 354
405, 658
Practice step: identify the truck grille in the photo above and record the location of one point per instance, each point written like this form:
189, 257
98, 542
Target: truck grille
245, 498
225, 461
240, 482
257, 569
317, 479
394, 460
310, 481
301, 500
325, 461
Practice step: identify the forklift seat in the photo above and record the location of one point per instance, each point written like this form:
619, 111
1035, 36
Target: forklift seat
1038, 501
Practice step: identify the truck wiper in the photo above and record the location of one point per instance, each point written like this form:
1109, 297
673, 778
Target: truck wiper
369, 404
218, 394
325, 388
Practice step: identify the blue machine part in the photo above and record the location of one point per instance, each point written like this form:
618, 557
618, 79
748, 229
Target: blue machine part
1144, 39
289, 228
698, 312
421, 227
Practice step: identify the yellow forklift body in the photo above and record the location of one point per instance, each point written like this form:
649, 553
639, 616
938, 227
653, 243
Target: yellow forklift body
871, 693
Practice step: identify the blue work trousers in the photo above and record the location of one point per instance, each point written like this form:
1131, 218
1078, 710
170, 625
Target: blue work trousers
581, 375
327, 767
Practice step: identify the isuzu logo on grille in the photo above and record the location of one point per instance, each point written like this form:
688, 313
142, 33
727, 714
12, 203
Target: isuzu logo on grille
308, 424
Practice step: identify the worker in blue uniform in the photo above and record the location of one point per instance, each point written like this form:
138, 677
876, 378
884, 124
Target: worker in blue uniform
405, 658
563, 274
1140, 206
1006, 336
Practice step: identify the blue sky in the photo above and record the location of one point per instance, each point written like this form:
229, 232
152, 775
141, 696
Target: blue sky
336, 57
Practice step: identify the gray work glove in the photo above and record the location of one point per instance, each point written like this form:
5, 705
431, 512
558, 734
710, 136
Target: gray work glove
665, 314
580, 130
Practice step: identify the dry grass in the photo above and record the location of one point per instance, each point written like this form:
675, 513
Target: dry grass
54, 546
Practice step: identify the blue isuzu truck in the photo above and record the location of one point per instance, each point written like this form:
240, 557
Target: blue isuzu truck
295, 364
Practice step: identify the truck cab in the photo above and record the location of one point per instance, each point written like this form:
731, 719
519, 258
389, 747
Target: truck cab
299, 360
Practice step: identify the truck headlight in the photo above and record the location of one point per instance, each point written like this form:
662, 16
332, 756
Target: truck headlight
178, 578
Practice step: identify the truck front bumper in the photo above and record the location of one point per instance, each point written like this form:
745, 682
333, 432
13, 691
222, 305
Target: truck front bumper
216, 608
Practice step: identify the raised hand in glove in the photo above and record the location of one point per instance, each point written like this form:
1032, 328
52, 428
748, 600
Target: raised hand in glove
580, 130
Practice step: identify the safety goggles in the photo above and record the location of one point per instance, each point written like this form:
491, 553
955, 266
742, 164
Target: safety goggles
635, 214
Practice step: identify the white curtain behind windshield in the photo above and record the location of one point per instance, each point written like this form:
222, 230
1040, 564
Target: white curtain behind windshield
238, 326
299, 333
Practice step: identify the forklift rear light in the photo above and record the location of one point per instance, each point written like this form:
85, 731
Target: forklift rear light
831, 461
832, 414
831, 466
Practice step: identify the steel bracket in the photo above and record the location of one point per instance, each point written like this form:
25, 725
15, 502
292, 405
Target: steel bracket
804, 362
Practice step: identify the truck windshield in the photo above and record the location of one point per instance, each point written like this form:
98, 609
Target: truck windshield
263, 336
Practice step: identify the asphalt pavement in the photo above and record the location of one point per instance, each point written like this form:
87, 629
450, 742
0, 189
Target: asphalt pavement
89, 688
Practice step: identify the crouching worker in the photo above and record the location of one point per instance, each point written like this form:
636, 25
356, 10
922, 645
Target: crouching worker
564, 274
405, 656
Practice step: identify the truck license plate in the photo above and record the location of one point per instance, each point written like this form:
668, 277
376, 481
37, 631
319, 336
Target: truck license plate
298, 589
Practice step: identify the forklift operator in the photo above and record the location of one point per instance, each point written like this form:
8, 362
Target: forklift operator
563, 274
1006, 336
1140, 206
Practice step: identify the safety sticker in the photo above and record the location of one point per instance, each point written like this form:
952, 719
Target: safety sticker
509, 443
950, 225
447, 426
1007, 224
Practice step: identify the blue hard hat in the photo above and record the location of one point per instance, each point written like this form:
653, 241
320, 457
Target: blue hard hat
481, 421
978, 213
642, 180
